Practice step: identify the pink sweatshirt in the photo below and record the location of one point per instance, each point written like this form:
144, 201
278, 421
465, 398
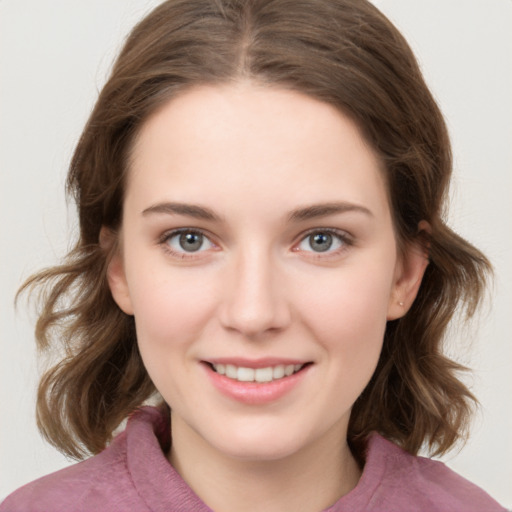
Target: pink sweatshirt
133, 474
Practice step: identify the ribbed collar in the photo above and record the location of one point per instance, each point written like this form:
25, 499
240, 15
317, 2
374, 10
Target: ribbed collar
160, 486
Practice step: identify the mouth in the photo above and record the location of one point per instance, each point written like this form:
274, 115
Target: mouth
259, 375
256, 383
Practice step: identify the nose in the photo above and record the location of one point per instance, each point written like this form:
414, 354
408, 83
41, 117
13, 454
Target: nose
254, 300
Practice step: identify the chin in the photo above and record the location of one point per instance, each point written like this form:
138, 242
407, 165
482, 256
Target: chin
259, 443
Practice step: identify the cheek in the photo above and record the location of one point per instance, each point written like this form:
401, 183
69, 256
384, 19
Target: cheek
170, 312
170, 316
347, 311
353, 298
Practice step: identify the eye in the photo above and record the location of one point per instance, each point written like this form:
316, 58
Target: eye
185, 241
324, 241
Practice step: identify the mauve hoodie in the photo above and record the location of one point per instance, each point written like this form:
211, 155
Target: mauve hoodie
133, 474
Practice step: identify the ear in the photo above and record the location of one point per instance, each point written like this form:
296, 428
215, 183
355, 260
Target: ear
408, 275
116, 277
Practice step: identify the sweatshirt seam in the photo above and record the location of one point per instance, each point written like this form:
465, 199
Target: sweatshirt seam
133, 482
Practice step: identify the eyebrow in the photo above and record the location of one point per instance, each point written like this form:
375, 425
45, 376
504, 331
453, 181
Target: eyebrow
325, 209
190, 210
297, 215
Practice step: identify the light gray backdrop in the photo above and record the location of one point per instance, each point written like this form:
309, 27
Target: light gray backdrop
54, 56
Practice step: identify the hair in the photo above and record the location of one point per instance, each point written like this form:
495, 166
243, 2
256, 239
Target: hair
343, 52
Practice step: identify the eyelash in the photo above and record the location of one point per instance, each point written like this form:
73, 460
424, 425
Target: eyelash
343, 237
166, 237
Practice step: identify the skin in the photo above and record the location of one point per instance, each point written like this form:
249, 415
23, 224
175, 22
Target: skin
258, 287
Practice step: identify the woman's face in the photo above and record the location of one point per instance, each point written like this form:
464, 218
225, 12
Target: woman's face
260, 263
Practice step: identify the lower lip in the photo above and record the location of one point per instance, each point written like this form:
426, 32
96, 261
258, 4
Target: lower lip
255, 393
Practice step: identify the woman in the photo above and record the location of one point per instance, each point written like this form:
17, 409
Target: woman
260, 189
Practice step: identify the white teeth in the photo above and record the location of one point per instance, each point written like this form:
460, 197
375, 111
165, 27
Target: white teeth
231, 371
245, 374
267, 374
278, 372
263, 374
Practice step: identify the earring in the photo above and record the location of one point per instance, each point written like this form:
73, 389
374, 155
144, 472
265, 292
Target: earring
401, 304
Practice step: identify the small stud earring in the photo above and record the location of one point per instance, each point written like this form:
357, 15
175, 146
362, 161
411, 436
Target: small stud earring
401, 304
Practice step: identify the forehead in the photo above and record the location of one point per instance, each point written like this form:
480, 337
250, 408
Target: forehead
239, 142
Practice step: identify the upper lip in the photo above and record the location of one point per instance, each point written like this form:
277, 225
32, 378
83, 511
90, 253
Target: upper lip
255, 363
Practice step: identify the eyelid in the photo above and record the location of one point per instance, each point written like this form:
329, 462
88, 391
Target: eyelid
346, 238
167, 235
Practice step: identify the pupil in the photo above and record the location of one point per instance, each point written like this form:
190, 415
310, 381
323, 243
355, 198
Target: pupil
191, 241
320, 242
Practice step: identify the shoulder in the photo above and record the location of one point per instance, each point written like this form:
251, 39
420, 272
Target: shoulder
103, 482
397, 481
133, 473
87, 485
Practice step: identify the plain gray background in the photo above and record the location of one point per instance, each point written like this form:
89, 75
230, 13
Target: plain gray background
54, 56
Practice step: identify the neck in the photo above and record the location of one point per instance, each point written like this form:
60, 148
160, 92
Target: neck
307, 481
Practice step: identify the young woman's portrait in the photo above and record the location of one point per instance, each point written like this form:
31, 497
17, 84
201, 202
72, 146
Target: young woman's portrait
255, 256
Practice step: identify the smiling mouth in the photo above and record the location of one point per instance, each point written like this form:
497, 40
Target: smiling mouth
267, 374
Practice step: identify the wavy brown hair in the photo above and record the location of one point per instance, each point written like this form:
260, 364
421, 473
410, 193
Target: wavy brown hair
343, 52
